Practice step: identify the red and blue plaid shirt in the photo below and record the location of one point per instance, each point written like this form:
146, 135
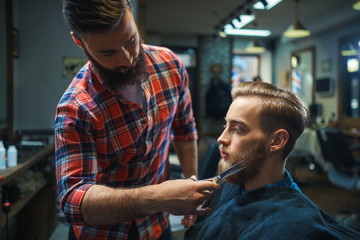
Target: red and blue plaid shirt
103, 139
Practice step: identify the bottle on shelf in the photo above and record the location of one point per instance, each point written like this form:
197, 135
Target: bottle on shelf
12, 156
2, 156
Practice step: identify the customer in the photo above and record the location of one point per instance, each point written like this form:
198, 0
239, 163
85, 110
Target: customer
113, 129
262, 201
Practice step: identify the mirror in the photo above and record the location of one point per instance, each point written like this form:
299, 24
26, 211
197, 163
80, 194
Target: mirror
349, 81
3, 67
303, 73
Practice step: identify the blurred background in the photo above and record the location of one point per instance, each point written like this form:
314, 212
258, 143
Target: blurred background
310, 47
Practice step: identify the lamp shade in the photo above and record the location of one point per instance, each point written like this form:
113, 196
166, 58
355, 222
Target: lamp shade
254, 47
222, 34
356, 5
296, 30
348, 49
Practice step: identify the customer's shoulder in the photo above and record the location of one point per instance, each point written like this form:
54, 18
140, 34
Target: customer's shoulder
226, 193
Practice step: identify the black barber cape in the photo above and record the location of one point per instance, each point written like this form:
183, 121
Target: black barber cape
277, 212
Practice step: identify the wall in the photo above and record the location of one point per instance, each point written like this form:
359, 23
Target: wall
172, 40
45, 40
2, 65
265, 58
326, 48
38, 83
212, 51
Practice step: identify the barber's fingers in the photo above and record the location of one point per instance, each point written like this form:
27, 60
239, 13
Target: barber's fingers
201, 211
213, 179
208, 186
207, 194
186, 222
193, 177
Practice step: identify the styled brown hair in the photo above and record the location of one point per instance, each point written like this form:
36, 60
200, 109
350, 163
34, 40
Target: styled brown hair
279, 109
94, 16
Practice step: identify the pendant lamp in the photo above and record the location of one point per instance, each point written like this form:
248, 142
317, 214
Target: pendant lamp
348, 49
296, 29
254, 47
356, 5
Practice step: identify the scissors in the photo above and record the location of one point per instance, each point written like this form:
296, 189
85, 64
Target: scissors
232, 170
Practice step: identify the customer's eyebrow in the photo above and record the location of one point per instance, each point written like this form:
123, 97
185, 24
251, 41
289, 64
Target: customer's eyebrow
234, 121
231, 120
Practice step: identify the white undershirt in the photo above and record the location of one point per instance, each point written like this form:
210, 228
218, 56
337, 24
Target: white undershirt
134, 93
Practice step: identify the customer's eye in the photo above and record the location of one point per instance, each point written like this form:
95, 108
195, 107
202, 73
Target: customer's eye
238, 129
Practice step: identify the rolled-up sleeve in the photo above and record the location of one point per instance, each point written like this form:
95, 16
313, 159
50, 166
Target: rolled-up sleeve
75, 157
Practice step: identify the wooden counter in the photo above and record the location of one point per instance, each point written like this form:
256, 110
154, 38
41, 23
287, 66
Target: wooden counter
33, 205
25, 162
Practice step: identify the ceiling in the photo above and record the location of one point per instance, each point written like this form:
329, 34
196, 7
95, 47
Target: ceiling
199, 17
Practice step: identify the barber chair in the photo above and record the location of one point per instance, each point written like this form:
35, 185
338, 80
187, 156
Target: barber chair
344, 170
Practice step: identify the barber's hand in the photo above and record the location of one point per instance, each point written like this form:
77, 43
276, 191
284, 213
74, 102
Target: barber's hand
188, 220
184, 196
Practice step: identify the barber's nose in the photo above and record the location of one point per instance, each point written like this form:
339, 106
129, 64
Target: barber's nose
126, 58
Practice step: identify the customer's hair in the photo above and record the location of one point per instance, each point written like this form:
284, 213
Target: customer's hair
94, 16
279, 109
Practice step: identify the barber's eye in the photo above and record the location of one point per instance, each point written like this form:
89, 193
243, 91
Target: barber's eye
108, 53
131, 41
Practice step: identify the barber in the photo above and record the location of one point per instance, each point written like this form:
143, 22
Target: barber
113, 128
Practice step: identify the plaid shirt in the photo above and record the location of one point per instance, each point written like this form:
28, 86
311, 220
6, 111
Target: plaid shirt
103, 139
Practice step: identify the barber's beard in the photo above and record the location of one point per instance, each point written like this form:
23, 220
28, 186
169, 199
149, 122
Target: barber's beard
253, 159
122, 76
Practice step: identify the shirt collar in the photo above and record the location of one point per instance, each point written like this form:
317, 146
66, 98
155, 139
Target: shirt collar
286, 182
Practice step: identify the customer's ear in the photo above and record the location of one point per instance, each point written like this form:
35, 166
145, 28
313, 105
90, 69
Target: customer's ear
279, 140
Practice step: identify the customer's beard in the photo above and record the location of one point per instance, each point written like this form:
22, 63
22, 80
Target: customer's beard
253, 159
122, 76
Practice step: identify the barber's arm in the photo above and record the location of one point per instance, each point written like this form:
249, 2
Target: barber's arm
184, 129
187, 153
86, 202
188, 157
105, 205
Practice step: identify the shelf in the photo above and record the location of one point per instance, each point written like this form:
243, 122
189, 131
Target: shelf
26, 161
18, 205
11, 173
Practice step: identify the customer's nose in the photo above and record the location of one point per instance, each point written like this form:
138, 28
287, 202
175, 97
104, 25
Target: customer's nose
224, 139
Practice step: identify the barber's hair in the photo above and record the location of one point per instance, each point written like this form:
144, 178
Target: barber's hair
279, 109
94, 16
